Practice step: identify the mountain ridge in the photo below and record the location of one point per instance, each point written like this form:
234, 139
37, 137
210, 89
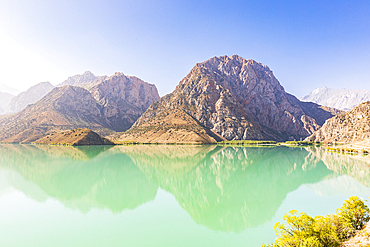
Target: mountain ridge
71, 107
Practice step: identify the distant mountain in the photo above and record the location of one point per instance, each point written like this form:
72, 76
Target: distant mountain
79, 80
342, 99
6, 89
112, 105
5, 99
236, 98
352, 126
30, 96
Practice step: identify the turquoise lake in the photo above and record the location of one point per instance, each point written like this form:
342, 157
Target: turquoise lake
164, 195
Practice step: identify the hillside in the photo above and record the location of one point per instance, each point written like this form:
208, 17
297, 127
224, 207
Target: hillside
352, 126
239, 99
75, 137
342, 99
171, 126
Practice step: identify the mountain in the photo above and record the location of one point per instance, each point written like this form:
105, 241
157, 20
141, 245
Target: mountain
79, 80
6, 89
63, 108
5, 99
235, 98
352, 126
124, 98
343, 99
75, 137
112, 105
30, 96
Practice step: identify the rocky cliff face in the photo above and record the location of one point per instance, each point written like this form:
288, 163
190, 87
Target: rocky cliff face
240, 99
5, 99
124, 99
353, 126
30, 96
85, 79
342, 99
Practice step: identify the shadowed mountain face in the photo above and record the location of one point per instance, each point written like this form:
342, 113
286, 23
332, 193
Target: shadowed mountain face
80, 178
240, 99
228, 189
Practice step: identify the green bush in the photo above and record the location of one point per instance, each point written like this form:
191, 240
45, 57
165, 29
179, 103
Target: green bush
321, 231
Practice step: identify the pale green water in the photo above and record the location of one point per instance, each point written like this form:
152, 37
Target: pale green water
166, 195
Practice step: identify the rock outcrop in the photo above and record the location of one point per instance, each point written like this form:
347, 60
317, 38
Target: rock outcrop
30, 96
361, 239
342, 99
83, 80
75, 137
237, 98
353, 126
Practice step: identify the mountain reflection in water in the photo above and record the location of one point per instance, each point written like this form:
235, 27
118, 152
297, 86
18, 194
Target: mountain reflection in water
81, 178
222, 188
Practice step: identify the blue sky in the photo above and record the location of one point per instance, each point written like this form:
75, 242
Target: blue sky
308, 44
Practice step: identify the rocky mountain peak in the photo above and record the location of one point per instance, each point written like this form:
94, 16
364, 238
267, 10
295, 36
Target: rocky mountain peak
238, 98
124, 98
80, 80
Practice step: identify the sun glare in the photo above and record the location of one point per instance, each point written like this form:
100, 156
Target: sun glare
22, 67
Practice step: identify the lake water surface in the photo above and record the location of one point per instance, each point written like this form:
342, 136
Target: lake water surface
161, 195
